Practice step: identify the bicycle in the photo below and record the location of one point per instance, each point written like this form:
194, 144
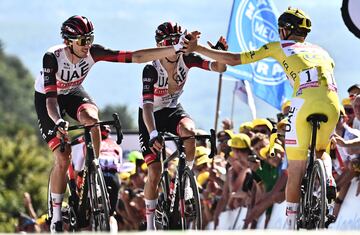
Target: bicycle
174, 210
91, 206
314, 207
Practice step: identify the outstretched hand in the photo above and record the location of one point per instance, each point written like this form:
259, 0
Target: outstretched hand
192, 42
220, 45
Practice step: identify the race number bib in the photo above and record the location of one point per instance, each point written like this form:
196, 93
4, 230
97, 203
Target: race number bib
309, 78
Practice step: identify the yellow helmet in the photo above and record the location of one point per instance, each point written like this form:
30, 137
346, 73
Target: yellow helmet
293, 19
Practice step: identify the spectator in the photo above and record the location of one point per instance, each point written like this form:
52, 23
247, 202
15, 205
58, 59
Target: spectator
247, 128
227, 124
263, 126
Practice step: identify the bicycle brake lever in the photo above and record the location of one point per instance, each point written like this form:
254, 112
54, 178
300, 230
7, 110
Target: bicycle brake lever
117, 126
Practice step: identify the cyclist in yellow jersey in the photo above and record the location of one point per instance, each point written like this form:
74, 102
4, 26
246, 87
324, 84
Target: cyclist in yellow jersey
310, 70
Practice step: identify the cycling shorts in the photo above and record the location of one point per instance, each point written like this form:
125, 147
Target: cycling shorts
166, 120
70, 104
298, 131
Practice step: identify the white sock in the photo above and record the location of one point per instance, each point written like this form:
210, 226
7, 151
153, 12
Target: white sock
291, 213
150, 212
190, 164
328, 168
56, 206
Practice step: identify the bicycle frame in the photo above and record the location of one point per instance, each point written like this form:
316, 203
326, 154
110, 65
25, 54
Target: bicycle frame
92, 170
171, 200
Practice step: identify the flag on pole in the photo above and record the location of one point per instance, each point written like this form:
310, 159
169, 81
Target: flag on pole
253, 23
243, 92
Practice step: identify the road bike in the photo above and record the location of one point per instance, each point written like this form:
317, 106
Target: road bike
314, 207
90, 206
179, 201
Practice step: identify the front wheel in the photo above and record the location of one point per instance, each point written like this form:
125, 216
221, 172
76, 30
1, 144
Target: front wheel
191, 216
99, 201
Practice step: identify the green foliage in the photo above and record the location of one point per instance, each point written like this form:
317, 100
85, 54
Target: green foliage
16, 96
124, 115
24, 168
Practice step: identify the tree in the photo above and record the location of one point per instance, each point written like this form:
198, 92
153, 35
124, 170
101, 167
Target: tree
122, 110
25, 167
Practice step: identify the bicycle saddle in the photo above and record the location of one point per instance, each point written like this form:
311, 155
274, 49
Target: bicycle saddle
317, 117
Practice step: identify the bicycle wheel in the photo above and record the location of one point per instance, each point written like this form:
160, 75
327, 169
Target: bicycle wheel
191, 214
161, 216
317, 196
99, 200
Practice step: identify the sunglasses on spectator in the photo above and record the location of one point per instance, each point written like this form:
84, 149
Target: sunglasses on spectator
84, 40
352, 96
263, 131
349, 110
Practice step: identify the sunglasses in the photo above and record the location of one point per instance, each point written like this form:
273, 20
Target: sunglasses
352, 96
263, 131
173, 39
84, 40
349, 110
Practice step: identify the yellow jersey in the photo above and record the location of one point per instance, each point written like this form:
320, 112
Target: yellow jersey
305, 64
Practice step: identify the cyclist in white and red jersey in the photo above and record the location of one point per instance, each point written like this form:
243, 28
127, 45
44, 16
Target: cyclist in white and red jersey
58, 91
163, 83
311, 71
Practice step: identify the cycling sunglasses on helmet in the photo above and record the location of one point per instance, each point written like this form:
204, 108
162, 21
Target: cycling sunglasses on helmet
84, 40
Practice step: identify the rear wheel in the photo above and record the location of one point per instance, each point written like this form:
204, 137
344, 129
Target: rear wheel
191, 216
317, 194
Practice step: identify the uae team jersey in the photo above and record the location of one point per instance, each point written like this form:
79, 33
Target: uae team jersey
305, 64
59, 76
155, 80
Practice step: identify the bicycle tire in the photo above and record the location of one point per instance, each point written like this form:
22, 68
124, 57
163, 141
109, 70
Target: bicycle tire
162, 221
99, 200
192, 215
317, 200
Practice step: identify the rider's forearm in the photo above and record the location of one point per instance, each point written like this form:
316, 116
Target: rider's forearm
150, 54
52, 107
223, 57
148, 116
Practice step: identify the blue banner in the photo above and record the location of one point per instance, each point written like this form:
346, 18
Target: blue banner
253, 23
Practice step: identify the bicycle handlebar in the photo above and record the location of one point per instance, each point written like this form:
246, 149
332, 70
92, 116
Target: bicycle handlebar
115, 123
211, 137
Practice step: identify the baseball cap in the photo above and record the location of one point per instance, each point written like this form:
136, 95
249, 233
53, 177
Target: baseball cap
262, 122
239, 141
354, 86
246, 125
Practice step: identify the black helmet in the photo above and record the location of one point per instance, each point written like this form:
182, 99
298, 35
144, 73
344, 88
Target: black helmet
294, 20
76, 26
168, 32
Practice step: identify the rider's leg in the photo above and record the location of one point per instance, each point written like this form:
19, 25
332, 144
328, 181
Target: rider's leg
296, 172
151, 193
88, 115
186, 127
330, 181
58, 181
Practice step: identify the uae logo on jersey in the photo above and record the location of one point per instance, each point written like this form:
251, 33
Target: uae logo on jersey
256, 25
